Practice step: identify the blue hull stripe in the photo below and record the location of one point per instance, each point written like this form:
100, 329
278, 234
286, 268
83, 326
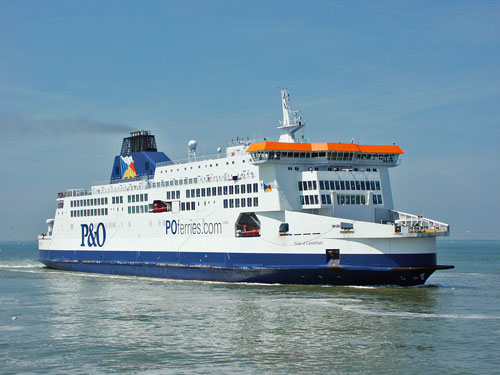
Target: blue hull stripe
240, 260
365, 269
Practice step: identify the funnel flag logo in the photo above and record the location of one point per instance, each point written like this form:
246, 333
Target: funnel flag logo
127, 167
267, 188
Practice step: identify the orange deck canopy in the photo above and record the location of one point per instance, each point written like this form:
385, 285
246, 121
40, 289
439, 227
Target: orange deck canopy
324, 146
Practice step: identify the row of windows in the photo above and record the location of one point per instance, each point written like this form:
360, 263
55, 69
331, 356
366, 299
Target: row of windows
89, 212
309, 199
339, 185
174, 194
222, 190
335, 155
188, 206
137, 198
184, 181
138, 209
343, 199
243, 202
89, 202
117, 200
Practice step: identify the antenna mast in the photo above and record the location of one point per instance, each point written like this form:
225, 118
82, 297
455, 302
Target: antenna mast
291, 121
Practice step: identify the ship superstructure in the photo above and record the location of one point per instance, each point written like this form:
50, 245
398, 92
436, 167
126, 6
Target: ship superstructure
274, 212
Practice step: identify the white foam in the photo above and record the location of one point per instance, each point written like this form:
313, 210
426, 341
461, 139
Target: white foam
406, 314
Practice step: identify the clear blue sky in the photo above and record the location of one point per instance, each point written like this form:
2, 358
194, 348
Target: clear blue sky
75, 76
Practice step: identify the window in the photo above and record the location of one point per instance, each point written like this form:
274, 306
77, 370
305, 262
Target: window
315, 199
315, 186
358, 199
209, 192
328, 199
347, 185
300, 185
202, 192
306, 199
377, 185
198, 192
168, 195
225, 203
225, 190
256, 202
231, 190
379, 199
255, 188
309, 185
121, 199
236, 189
129, 199
112, 200
193, 206
353, 186
322, 184
214, 191
242, 189
301, 199
237, 203
358, 185
363, 185
363, 199
249, 202
323, 199
243, 202
231, 203
133, 198
183, 206
342, 185
178, 194
375, 200
188, 193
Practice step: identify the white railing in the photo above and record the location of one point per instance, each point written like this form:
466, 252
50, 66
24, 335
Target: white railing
405, 222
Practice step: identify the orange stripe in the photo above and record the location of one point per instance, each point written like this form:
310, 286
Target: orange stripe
308, 147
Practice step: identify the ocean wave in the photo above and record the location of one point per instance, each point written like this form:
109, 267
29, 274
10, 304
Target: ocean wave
407, 314
19, 266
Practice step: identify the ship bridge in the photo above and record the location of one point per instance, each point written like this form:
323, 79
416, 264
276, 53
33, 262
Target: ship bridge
325, 153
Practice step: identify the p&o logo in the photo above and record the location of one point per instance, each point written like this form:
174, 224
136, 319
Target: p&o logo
93, 238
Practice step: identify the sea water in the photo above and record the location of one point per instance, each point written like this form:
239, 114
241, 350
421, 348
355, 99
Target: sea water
61, 322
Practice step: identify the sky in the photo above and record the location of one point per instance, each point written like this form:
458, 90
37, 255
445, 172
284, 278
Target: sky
77, 76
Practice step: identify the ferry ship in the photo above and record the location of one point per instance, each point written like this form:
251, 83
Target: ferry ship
267, 212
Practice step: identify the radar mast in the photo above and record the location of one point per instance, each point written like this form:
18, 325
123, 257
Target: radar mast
291, 121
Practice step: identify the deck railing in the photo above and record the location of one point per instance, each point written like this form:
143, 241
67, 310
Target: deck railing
405, 222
